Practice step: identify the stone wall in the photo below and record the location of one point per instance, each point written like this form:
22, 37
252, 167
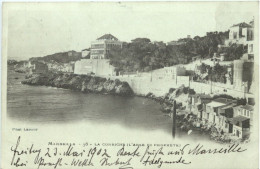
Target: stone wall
99, 67
159, 87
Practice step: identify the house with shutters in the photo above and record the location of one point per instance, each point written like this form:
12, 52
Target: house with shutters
242, 121
212, 113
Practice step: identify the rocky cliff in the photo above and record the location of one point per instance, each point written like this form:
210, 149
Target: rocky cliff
82, 83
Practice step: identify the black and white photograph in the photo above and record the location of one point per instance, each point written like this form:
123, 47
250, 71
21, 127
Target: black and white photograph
130, 85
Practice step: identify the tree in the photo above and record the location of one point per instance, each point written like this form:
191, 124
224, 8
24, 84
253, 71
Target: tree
142, 55
233, 52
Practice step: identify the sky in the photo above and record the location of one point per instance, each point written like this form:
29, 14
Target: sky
39, 29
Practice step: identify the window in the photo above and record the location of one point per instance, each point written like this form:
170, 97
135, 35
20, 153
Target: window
249, 34
234, 35
97, 46
248, 114
251, 48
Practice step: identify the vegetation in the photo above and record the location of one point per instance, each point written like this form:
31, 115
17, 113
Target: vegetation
62, 57
142, 55
233, 52
12, 62
216, 73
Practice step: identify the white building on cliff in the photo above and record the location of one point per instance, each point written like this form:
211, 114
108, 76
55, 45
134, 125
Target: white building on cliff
241, 33
98, 63
101, 47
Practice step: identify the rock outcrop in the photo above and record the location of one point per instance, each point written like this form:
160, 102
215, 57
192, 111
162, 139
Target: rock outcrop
84, 83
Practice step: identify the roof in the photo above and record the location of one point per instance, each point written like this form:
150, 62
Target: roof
243, 25
246, 107
227, 107
236, 119
205, 101
215, 104
107, 37
224, 100
86, 50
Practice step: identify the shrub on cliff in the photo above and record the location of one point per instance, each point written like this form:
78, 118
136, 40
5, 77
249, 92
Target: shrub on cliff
62, 57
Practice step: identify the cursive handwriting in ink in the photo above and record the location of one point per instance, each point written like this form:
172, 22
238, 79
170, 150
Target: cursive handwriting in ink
69, 152
159, 162
234, 148
123, 164
16, 160
122, 158
153, 152
81, 163
123, 152
41, 162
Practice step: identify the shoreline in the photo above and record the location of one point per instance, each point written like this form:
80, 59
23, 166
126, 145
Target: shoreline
186, 122
83, 83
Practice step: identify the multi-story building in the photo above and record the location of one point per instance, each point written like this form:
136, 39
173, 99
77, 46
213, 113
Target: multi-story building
101, 47
225, 113
237, 120
198, 102
98, 63
246, 111
240, 126
241, 33
212, 113
242, 122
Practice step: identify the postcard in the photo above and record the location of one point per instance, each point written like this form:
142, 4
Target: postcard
130, 85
